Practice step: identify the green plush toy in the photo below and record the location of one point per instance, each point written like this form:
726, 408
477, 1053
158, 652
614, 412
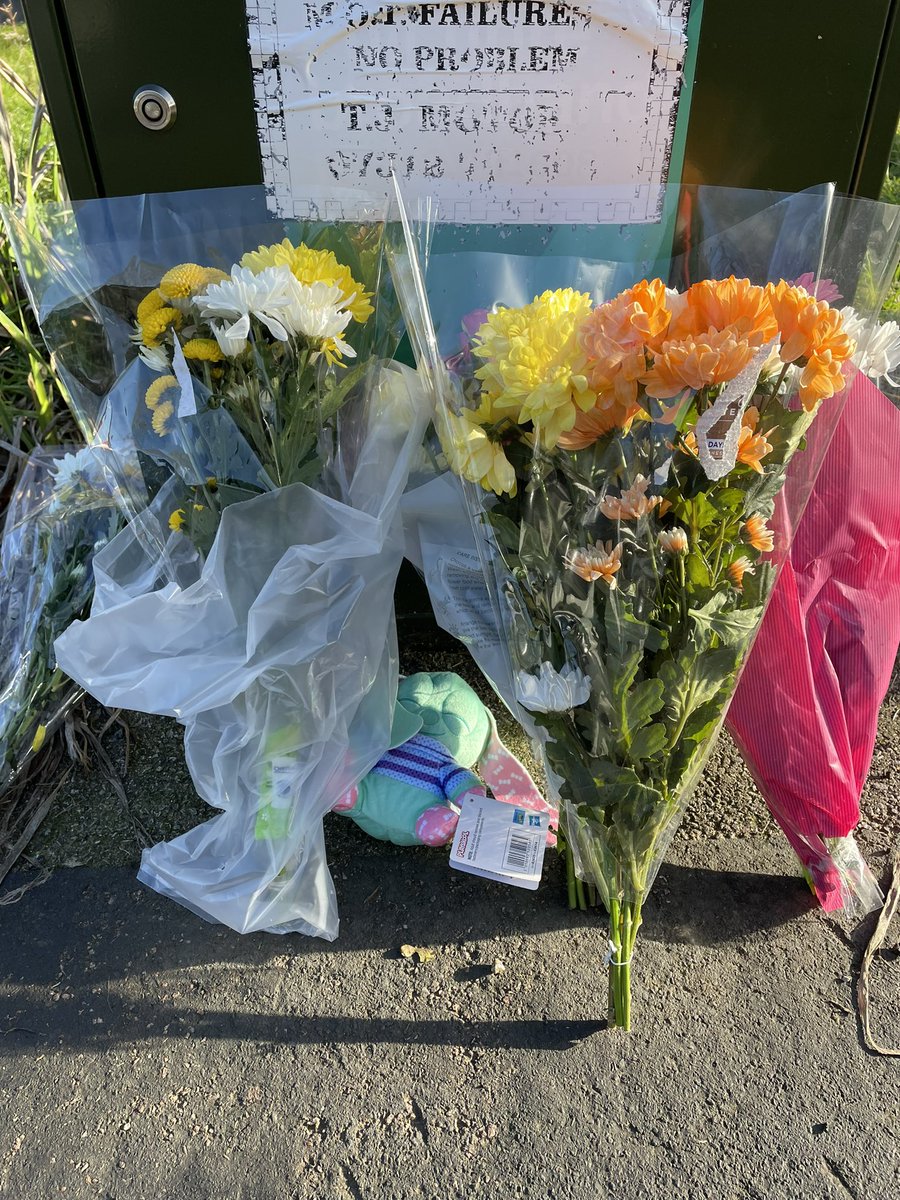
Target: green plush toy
441, 731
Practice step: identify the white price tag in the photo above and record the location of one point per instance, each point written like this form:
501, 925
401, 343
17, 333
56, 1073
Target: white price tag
499, 841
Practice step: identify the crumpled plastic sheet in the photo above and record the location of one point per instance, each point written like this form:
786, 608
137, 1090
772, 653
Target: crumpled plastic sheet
279, 657
825, 653
49, 540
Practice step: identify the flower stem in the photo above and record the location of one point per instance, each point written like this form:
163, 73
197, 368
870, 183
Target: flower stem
624, 922
570, 877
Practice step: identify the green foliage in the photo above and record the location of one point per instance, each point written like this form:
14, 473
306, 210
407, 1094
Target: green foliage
890, 193
32, 404
662, 648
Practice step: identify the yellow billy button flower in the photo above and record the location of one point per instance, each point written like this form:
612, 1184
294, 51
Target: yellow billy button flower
203, 350
313, 266
759, 535
673, 541
183, 281
162, 416
157, 390
738, 569
157, 322
151, 302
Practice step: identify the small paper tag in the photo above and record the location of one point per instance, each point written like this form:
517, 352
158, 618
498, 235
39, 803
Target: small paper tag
187, 405
273, 820
718, 430
499, 841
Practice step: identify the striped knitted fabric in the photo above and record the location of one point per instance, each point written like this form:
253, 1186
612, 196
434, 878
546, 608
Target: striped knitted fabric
423, 762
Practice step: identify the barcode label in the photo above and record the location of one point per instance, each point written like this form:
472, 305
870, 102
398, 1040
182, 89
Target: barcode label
499, 841
517, 852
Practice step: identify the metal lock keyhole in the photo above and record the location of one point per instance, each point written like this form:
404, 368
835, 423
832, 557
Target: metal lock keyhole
154, 107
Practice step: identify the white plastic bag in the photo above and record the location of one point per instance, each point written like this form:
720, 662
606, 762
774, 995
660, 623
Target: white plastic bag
278, 654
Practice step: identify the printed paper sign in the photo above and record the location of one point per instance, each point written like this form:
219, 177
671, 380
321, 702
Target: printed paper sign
500, 841
543, 105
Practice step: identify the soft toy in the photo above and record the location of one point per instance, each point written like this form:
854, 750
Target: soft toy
441, 731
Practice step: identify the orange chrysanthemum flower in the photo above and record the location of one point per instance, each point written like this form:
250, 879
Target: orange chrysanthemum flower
808, 326
639, 316
734, 304
695, 362
759, 535
600, 561
615, 335
632, 504
607, 414
821, 379
752, 446
738, 569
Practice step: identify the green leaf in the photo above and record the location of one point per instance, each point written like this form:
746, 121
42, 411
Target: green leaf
506, 531
648, 742
642, 702
703, 720
697, 571
732, 627
730, 498
623, 630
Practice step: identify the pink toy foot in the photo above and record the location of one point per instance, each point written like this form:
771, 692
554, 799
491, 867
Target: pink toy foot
436, 826
347, 801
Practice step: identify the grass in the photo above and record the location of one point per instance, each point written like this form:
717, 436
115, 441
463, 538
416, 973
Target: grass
16, 52
32, 408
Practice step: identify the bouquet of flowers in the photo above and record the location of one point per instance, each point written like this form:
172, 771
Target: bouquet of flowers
267, 342
63, 510
827, 648
625, 462
244, 363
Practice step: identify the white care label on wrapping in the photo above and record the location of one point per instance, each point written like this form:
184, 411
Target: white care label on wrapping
499, 841
543, 105
283, 772
459, 595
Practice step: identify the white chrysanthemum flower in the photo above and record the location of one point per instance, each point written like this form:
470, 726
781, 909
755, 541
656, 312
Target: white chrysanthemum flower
74, 472
230, 346
881, 353
318, 312
155, 357
243, 294
552, 691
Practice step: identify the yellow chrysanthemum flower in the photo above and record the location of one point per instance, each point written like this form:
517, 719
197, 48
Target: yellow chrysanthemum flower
176, 520
472, 454
187, 279
203, 349
162, 414
182, 281
534, 367
150, 304
313, 266
158, 389
157, 322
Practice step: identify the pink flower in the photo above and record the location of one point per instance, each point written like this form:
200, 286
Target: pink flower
471, 323
825, 289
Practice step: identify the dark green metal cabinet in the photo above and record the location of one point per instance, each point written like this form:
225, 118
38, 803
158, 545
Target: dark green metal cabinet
92, 57
787, 93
